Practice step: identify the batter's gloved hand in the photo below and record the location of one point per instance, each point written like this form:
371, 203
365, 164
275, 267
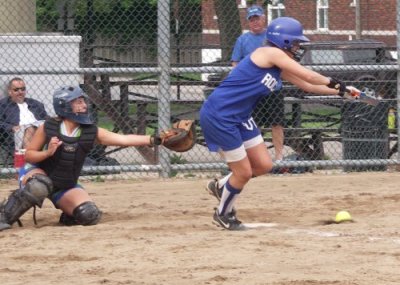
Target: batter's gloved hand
338, 85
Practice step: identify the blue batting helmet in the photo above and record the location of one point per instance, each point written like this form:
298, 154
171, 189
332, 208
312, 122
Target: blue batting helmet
283, 32
62, 99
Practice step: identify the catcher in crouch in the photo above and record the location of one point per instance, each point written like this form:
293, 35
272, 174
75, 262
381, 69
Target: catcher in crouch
55, 158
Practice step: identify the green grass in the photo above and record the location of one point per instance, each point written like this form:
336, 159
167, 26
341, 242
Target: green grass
105, 124
152, 108
187, 76
333, 115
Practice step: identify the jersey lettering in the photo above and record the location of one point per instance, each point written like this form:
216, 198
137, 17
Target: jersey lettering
269, 82
250, 124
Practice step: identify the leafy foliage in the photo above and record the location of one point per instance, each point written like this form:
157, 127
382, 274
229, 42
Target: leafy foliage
47, 15
125, 19
120, 25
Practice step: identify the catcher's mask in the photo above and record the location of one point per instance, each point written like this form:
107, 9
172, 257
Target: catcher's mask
62, 99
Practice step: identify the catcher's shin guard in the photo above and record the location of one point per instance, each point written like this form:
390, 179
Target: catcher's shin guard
37, 188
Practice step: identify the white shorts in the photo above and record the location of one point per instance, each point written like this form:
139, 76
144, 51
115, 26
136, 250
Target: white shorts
240, 152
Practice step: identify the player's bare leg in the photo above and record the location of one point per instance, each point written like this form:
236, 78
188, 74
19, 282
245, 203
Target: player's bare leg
257, 162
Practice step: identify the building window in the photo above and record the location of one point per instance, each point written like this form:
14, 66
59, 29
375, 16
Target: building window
322, 14
276, 9
242, 4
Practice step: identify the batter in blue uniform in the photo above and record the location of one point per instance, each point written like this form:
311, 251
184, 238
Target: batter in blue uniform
225, 116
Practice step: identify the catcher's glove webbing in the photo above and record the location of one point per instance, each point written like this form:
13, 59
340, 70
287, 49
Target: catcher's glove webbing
181, 137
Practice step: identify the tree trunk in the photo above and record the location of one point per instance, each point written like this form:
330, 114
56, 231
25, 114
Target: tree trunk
229, 25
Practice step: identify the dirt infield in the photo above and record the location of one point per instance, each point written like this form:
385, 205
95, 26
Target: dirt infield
160, 232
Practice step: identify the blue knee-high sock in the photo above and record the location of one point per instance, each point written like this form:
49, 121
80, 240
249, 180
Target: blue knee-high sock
229, 196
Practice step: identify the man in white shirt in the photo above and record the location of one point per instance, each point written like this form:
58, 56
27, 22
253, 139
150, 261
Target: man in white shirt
20, 116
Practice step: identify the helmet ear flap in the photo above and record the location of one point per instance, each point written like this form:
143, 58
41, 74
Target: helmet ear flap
287, 44
61, 103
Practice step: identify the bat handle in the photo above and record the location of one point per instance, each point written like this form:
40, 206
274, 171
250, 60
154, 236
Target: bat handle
354, 92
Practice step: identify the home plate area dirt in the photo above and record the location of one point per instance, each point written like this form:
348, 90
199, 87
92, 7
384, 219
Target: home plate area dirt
160, 231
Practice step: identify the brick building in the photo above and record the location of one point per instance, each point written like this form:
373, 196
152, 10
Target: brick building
322, 19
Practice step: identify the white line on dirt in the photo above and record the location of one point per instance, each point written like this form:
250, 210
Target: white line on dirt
327, 234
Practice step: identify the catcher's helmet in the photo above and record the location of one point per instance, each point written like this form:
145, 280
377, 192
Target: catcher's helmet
283, 32
62, 99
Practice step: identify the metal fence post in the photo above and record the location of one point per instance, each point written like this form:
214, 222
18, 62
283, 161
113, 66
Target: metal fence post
398, 78
164, 84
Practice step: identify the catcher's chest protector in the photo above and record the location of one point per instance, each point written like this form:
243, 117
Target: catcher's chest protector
65, 165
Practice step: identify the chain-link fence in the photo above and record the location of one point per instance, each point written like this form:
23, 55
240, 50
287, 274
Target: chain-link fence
145, 64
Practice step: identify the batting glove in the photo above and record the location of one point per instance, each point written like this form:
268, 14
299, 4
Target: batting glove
338, 85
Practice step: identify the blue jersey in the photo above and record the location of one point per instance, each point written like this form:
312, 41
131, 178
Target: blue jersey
234, 99
246, 44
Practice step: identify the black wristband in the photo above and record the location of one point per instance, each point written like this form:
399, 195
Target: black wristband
155, 140
338, 85
334, 83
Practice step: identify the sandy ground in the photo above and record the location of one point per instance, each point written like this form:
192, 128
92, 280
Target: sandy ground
160, 232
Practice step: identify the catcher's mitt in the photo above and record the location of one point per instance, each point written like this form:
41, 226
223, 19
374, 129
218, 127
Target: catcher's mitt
181, 137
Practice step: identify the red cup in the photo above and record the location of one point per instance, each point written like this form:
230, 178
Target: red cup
19, 159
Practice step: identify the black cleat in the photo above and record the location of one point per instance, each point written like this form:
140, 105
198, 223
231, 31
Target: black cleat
67, 220
214, 190
4, 225
228, 221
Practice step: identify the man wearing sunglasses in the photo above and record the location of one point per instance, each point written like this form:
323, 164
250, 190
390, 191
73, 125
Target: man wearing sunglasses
19, 116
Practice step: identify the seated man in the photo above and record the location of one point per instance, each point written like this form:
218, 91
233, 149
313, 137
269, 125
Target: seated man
19, 116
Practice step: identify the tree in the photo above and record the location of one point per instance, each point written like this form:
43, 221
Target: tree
229, 25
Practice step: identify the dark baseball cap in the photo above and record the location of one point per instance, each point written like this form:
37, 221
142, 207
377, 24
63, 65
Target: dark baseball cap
254, 11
